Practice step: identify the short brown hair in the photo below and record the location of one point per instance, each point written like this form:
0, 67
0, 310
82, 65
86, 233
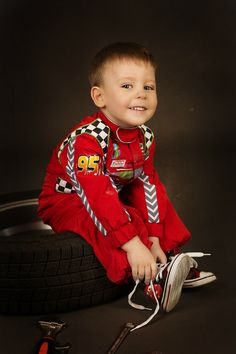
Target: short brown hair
114, 51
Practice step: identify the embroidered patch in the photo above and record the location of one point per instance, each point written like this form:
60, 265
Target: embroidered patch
118, 163
88, 164
124, 175
116, 151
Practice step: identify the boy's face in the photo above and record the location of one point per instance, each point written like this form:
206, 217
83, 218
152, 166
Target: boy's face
127, 95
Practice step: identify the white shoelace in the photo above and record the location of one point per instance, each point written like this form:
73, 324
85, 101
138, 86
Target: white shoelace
197, 254
159, 275
141, 307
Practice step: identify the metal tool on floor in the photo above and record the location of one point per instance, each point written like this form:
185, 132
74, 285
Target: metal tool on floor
122, 335
48, 344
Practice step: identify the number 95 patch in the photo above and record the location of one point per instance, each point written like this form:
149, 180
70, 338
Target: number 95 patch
88, 165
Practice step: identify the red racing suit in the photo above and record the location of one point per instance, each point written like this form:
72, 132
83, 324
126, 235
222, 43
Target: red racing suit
101, 184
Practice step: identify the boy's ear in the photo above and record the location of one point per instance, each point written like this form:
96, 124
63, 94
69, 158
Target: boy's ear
98, 96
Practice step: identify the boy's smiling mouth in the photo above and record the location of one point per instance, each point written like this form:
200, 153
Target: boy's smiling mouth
138, 108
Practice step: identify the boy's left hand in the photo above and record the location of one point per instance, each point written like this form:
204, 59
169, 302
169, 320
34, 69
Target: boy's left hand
157, 251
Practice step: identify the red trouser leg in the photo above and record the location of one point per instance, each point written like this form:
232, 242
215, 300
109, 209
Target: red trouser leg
175, 233
76, 219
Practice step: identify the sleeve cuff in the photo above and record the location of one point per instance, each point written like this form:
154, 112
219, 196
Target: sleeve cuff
125, 233
155, 229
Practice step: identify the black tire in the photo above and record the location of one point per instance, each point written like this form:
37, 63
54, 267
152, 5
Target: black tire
43, 272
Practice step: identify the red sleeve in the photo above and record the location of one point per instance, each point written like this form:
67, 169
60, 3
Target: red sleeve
83, 161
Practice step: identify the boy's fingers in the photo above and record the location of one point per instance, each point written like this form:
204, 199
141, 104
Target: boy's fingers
135, 273
163, 258
141, 273
148, 274
154, 271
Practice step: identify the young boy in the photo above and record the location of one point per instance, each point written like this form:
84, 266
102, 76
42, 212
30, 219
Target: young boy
102, 185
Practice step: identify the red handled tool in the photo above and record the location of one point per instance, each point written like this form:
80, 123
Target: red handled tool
48, 344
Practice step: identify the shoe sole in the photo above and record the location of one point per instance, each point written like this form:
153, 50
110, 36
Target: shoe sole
194, 283
177, 274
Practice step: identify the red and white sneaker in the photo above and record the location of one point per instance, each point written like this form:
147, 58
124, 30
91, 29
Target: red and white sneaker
167, 288
196, 277
170, 280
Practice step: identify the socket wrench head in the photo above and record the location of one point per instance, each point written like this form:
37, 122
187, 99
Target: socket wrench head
51, 328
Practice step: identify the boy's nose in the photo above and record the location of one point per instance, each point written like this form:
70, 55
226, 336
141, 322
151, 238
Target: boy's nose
141, 94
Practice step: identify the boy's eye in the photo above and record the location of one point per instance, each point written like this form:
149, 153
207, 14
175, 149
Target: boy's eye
149, 87
126, 86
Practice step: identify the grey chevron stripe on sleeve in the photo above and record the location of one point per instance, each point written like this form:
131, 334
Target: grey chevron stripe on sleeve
78, 188
151, 199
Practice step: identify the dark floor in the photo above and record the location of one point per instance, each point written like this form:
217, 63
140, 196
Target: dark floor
203, 322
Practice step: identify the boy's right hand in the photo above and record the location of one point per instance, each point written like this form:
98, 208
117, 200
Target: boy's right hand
141, 260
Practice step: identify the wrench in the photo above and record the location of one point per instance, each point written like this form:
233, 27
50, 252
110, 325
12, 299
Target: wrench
47, 344
123, 334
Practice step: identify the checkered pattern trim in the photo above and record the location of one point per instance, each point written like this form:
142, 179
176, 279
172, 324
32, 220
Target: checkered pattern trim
63, 186
148, 135
97, 129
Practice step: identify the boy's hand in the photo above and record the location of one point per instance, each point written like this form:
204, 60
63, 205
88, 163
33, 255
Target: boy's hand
141, 260
157, 251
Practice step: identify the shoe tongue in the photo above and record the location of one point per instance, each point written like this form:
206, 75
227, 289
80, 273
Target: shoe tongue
193, 273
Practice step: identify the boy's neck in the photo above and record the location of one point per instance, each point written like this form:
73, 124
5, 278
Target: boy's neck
124, 135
